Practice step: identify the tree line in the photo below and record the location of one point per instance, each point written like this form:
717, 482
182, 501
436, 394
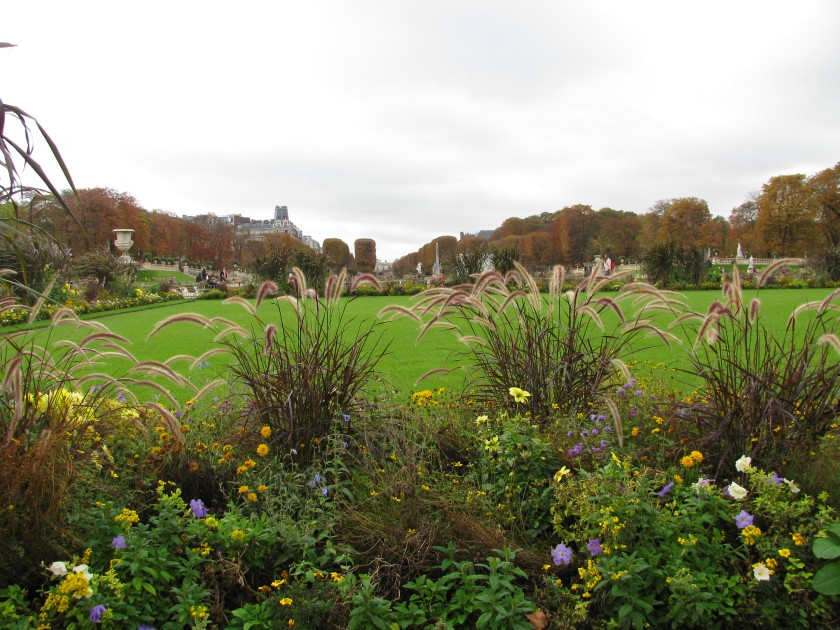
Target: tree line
792, 215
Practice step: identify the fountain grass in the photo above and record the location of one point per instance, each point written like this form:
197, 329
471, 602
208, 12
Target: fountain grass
407, 360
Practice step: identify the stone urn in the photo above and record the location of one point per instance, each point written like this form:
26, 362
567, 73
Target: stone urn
124, 243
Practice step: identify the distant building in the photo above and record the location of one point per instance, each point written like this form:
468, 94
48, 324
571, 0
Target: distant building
383, 267
280, 224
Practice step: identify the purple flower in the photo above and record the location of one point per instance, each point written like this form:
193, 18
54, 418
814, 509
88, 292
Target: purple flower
584, 433
121, 397
666, 489
570, 433
198, 509
595, 431
96, 613
743, 519
602, 444
620, 391
639, 392
119, 542
776, 479
633, 412
561, 554
346, 417
594, 547
324, 491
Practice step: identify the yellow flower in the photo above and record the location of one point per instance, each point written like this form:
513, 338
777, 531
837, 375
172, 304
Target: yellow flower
785, 553
558, 476
262, 450
262, 488
265, 432
291, 623
238, 535
687, 461
798, 539
519, 395
336, 577
635, 431
678, 479
243, 489
252, 496
286, 601
697, 456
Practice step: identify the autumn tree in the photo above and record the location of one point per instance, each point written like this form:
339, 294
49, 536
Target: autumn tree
219, 235
680, 223
537, 250
824, 188
337, 253
572, 231
99, 211
167, 234
786, 221
742, 225
622, 230
365, 249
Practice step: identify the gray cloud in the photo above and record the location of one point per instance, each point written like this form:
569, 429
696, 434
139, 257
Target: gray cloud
402, 121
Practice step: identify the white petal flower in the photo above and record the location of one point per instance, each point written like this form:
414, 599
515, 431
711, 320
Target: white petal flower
58, 568
736, 491
83, 569
793, 487
761, 572
743, 463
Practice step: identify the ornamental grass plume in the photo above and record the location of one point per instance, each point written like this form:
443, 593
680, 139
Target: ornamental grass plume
767, 393
303, 372
564, 349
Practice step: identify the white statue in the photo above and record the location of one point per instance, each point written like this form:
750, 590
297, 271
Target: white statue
740, 253
419, 268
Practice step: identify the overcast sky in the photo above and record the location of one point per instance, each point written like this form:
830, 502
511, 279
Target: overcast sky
406, 120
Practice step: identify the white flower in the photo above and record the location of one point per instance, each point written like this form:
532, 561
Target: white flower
83, 569
58, 568
736, 491
743, 463
793, 487
761, 572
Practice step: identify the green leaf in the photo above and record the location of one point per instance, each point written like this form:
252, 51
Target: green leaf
149, 588
826, 548
827, 579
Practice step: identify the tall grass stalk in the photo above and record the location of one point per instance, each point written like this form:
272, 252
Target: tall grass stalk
567, 350
764, 394
306, 369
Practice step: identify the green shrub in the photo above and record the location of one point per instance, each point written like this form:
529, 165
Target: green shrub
672, 548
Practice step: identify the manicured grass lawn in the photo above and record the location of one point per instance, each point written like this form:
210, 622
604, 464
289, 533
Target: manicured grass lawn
406, 360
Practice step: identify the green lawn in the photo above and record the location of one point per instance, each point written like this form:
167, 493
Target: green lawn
406, 360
